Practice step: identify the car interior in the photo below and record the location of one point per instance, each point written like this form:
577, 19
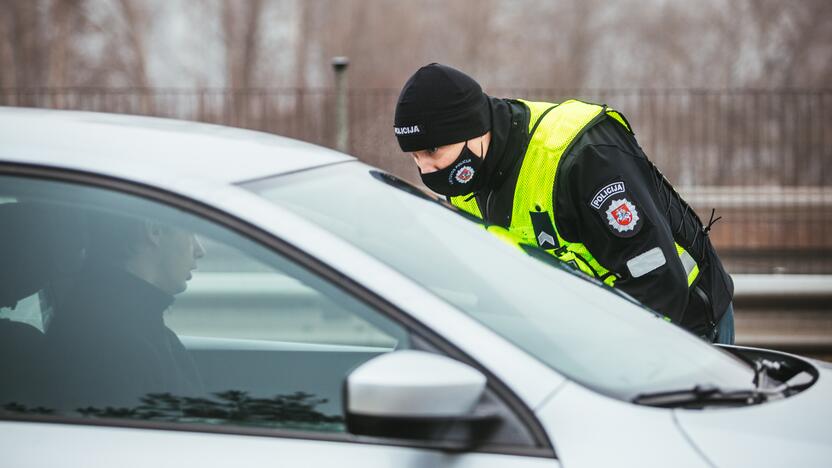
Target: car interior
278, 383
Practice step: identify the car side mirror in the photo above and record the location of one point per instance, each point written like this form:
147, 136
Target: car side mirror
418, 396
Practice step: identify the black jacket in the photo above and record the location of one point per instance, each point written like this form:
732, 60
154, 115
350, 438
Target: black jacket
606, 154
110, 345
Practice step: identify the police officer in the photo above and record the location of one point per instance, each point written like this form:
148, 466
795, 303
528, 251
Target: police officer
571, 179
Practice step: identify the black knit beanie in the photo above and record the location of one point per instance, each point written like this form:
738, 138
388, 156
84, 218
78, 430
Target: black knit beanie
439, 106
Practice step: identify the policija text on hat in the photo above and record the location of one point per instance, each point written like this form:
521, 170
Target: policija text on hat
571, 179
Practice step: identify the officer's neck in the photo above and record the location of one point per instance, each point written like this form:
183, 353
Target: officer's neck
499, 159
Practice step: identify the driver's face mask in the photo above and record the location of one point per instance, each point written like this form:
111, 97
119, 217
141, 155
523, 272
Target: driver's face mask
460, 177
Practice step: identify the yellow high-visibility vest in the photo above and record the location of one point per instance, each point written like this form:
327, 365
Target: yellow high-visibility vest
553, 129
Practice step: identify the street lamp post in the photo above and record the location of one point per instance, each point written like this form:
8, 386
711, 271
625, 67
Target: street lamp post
342, 124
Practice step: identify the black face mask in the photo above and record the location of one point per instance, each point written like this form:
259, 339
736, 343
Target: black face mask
459, 178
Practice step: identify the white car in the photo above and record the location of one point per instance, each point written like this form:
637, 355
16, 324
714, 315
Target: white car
333, 315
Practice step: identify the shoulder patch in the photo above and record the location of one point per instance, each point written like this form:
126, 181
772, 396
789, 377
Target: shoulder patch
622, 217
617, 208
604, 193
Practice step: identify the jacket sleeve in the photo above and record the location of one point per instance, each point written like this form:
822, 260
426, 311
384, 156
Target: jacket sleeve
608, 201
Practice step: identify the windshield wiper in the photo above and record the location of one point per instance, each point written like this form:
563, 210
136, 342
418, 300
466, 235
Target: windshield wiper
766, 387
702, 395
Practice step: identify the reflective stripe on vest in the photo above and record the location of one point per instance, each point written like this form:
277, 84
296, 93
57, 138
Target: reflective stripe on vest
555, 127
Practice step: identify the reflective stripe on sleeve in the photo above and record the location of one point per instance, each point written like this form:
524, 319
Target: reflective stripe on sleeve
644, 263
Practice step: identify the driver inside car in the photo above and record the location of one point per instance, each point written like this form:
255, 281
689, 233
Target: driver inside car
109, 341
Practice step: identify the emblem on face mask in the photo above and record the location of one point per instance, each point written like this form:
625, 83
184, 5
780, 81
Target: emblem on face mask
622, 215
464, 174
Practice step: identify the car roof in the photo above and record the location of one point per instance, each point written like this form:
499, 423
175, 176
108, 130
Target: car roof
137, 147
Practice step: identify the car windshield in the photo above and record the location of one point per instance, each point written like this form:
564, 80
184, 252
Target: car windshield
578, 328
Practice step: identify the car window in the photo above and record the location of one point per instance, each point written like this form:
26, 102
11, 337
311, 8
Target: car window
583, 331
114, 306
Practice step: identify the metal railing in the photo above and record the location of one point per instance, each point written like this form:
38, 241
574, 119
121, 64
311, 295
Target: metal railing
791, 313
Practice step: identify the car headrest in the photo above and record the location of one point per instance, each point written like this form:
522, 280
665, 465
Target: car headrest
38, 242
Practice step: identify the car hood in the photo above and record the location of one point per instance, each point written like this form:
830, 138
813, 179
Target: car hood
796, 431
